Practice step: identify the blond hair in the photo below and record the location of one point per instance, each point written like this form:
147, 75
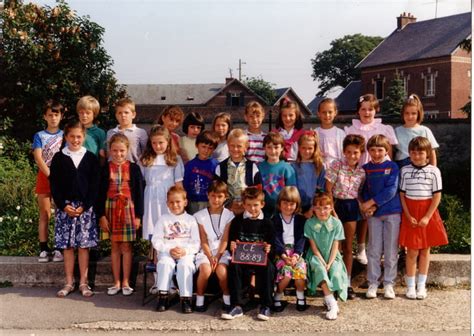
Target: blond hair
149, 154
238, 133
88, 103
414, 100
289, 194
311, 136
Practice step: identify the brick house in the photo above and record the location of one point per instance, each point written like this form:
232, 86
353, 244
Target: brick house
427, 57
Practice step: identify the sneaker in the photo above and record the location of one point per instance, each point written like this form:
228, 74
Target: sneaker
421, 293
361, 257
332, 312
372, 291
57, 256
43, 257
264, 313
388, 292
236, 311
411, 293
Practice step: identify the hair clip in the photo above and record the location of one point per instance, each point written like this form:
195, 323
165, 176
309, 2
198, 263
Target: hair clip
310, 132
361, 99
411, 97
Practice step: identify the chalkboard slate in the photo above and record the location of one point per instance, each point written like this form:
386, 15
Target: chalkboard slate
250, 254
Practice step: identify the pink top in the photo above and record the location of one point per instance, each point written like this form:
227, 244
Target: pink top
368, 130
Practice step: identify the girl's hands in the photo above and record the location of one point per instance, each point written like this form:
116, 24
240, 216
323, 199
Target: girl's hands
424, 221
294, 259
233, 245
213, 261
328, 266
73, 212
322, 261
177, 252
413, 221
104, 224
267, 248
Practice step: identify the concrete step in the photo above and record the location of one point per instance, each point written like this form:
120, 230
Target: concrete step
445, 270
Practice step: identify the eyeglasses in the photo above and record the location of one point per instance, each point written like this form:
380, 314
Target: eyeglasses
323, 208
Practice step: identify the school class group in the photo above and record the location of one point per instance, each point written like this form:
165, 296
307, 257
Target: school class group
302, 194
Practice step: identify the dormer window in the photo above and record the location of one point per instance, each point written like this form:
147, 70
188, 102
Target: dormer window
189, 98
163, 97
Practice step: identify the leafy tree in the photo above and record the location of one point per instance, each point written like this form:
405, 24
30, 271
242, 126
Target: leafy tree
395, 97
466, 45
337, 65
262, 88
50, 52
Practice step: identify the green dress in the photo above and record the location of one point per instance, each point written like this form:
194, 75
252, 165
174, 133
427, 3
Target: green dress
324, 233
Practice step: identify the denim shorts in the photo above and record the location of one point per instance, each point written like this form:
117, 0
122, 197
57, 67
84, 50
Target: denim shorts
347, 210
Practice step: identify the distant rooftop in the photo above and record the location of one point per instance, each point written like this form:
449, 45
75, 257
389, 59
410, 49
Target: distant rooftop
347, 99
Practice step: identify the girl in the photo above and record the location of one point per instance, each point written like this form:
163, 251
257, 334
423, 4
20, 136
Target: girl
221, 125
310, 173
275, 172
214, 233
171, 117
422, 227
193, 125
74, 186
367, 126
412, 116
162, 168
289, 247
289, 124
325, 265
330, 137
120, 208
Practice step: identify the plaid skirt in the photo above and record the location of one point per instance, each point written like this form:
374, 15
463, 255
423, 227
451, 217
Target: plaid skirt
120, 212
75, 231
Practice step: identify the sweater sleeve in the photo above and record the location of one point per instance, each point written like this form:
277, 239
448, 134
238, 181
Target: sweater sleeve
298, 232
278, 229
103, 187
257, 177
290, 176
137, 191
55, 177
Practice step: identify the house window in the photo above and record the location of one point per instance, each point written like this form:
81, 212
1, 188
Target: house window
378, 89
405, 85
430, 85
235, 99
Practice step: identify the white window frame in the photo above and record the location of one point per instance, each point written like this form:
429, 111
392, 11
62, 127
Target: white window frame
430, 85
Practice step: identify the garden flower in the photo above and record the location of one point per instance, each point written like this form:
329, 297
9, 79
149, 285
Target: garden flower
18, 207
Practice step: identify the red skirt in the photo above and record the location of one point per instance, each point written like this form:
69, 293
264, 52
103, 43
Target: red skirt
417, 238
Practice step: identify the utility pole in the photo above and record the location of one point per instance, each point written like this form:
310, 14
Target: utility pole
240, 69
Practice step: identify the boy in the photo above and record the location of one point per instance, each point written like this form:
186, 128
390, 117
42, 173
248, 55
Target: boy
125, 113
254, 115
198, 172
176, 240
214, 231
238, 172
88, 109
46, 143
171, 118
251, 226
380, 192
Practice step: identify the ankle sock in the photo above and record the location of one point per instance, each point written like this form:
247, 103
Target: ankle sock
360, 247
330, 300
277, 298
300, 295
199, 300
226, 299
410, 281
422, 279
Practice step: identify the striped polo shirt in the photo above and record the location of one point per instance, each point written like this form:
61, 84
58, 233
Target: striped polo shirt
420, 183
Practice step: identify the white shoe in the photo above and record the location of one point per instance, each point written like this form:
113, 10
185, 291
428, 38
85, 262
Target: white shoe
332, 312
388, 292
421, 292
43, 257
411, 293
372, 291
57, 256
361, 257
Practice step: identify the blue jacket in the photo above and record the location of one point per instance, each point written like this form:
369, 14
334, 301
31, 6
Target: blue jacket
381, 185
198, 175
298, 231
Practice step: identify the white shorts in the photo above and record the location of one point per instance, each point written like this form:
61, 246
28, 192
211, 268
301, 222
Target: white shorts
201, 258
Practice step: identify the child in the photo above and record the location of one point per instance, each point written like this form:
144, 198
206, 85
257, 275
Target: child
368, 125
330, 136
74, 187
325, 265
125, 113
276, 173
422, 227
46, 143
254, 115
344, 179
309, 169
162, 169
119, 209
251, 226
238, 172
214, 232
193, 125
412, 116
289, 124
171, 117
381, 190
88, 109
176, 240
221, 125
198, 173
289, 247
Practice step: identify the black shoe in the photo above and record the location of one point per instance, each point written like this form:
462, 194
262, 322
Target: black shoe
278, 306
200, 309
186, 306
301, 305
264, 313
226, 308
162, 303
351, 295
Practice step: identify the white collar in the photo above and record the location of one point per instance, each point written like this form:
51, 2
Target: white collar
247, 215
68, 152
129, 129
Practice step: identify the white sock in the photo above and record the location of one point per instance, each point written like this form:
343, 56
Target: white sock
199, 300
277, 296
410, 281
421, 280
330, 300
300, 295
226, 299
361, 247
349, 280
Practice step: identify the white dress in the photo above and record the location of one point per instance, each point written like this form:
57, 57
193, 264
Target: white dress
159, 177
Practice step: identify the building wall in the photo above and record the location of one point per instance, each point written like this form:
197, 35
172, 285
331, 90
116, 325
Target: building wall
460, 83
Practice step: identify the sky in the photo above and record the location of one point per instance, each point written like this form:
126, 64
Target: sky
186, 41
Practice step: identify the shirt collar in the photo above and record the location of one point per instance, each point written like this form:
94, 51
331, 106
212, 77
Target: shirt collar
130, 129
68, 152
247, 215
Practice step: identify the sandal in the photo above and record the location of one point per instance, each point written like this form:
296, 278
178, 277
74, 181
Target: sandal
113, 290
85, 290
65, 291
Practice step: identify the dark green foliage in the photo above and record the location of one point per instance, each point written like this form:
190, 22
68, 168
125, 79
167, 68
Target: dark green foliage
262, 88
394, 99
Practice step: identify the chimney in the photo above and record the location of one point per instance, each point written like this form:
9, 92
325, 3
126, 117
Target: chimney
405, 19
228, 80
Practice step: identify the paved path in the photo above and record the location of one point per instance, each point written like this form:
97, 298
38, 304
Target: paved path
36, 311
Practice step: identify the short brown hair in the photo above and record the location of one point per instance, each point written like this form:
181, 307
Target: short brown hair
420, 144
328, 101
355, 140
323, 198
119, 137
176, 190
88, 103
173, 111
218, 186
226, 118
287, 103
208, 137
290, 194
414, 100
379, 140
369, 97
253, 107
126, 102
54, 106
275, 138
252, 193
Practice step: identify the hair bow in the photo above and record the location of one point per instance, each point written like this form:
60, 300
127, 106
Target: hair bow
361, 99
411, 97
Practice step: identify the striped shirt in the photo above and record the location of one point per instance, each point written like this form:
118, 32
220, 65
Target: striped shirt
420, 183
255, 151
